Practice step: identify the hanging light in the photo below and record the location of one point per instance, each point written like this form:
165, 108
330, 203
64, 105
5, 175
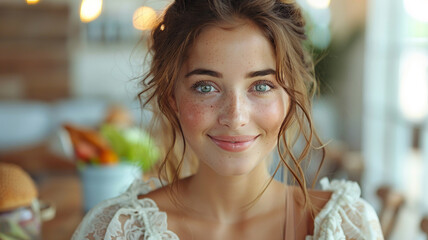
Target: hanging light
31, 2
144, 18
319, 4
90, 10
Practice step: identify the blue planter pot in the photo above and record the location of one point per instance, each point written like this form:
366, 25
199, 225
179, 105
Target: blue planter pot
103, 182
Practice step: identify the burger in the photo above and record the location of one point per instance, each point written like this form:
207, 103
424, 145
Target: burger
19, 210
17, 189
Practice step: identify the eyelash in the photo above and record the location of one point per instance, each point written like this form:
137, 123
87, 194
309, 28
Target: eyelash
199, 84
263, 82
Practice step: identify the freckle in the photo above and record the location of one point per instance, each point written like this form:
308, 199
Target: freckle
211, 106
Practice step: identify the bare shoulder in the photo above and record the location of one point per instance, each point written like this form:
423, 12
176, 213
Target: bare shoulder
319, 198
160, 196
165, 199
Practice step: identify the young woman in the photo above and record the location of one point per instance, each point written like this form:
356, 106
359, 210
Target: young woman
230, 83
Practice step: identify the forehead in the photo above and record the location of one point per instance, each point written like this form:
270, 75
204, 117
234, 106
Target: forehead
231, 44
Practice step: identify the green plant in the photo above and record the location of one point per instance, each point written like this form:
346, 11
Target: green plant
132, 145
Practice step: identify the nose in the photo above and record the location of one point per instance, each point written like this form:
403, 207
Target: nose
235, 111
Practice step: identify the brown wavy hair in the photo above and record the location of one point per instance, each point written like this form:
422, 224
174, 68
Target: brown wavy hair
283, 26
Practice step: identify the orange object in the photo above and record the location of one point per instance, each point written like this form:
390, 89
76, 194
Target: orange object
89, 145
108, 157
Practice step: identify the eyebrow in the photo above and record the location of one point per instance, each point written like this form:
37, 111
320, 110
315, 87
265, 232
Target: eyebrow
201, 71
261, 73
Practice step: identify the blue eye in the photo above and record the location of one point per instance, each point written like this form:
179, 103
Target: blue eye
262, 87
203, 87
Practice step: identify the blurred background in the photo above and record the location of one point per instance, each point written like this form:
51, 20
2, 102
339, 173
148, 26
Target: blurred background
68, 61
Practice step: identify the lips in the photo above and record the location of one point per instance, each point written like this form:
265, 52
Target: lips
234, 143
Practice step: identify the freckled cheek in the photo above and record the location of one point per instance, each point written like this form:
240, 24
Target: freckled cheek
271, 115
194, 114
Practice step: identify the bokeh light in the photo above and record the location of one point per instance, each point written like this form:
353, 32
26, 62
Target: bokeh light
144, 18
90, 10
319, 4
30, 2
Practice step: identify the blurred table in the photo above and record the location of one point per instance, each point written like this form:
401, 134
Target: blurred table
57, 182
64, 192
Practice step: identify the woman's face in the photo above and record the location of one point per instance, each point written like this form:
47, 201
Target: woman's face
228, 101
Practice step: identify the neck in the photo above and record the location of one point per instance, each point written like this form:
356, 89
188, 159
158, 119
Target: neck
228, 199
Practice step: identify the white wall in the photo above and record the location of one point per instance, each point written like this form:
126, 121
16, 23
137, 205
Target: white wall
106, 72
107, 55
387, 134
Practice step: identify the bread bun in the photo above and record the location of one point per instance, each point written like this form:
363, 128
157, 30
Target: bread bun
17, 189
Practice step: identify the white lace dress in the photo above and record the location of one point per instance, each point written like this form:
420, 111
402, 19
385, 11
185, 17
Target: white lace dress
345, 216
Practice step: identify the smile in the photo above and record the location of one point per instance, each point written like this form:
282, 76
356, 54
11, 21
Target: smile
234, 143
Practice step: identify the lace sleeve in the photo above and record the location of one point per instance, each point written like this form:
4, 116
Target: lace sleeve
94, 224
346, 215
125, 217
359, 221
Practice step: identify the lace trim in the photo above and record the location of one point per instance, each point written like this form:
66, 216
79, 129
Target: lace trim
345, 216
126, 217
140, 220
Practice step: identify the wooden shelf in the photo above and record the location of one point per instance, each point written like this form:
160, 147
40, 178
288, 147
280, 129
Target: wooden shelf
34, 49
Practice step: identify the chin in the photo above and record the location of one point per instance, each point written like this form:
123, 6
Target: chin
235, 170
